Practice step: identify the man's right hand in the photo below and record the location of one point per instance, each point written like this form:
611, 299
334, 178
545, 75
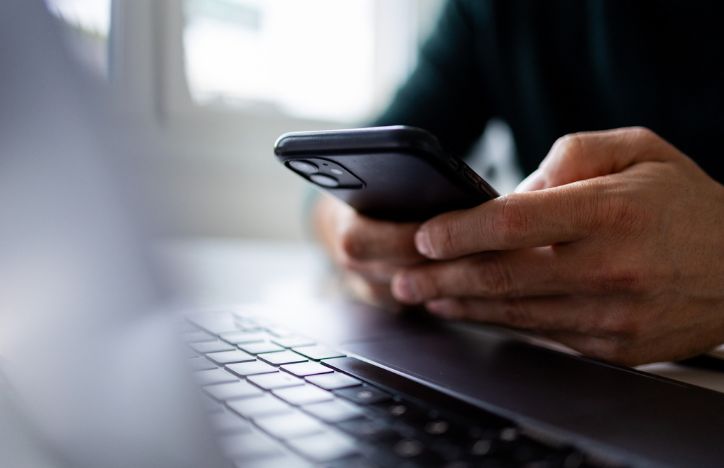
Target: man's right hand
367, 251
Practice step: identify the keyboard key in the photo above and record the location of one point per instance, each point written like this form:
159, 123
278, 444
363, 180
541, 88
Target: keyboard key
413, 449
567, 458
201, 363
276, 380
526, 451
258, 348
292, 341
334, 411
248, 327
279, 332
249, 446
303, 395
229, 391
227, 423
282, 357
366, 428
241, 337
214, 376
211, 346
405, 413
324, 447
259, 406
333, 381
364, 395
304, 369
243, 315
318, 352
217, 326
244, 369
286, 426
408, 448
227, 357
437, 427
211, 405
197, 337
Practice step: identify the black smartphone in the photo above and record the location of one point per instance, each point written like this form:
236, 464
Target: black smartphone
393, 173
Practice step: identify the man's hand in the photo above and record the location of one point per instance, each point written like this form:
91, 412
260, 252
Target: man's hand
618, 252
368, 252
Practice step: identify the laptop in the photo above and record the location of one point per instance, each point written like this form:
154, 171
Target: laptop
102, 367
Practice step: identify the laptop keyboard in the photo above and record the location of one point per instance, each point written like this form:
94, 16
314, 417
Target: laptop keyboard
279, 399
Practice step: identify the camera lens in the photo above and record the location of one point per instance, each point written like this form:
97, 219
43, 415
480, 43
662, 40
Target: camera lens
304, 166
324, 180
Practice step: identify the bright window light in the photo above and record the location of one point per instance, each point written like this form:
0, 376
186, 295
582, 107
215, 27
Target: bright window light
88, 24
311, 58
93, 16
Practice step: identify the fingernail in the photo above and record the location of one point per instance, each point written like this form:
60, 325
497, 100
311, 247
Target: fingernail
422, 243
436, 307
440, 308
404, 289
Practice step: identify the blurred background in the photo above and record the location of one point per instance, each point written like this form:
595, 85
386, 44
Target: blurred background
215, 82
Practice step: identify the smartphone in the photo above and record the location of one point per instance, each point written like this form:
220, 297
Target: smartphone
395, 173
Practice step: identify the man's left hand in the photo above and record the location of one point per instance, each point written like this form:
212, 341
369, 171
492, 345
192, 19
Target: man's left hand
614, 248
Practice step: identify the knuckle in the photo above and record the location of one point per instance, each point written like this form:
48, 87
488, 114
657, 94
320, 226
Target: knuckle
495, 278
621, 279
623, 213
643, 133
517, 314
512, 222
570, 146
628, 217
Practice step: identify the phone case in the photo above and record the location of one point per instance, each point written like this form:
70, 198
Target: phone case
396, 173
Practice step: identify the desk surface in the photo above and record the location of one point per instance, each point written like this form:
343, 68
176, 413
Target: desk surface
212, 272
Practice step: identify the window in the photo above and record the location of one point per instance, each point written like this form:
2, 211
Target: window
311, 59
88, 26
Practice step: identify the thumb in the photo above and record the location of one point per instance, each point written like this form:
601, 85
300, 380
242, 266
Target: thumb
586, 155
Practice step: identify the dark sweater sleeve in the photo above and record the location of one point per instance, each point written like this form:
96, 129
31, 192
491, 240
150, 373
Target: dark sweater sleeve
445, 93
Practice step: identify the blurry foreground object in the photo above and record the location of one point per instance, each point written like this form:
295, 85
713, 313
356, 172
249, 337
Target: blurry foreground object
82, 335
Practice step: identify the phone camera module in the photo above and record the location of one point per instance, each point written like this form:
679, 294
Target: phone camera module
306, 167
324, 180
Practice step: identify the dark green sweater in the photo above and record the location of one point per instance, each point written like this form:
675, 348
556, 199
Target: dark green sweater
554, 67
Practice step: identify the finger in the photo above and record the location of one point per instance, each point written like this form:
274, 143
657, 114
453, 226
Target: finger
527, 219
362, 238
533, 182
515, 273
558, 314
586, 155
372, 293
604, 348
378, 271
515, 221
